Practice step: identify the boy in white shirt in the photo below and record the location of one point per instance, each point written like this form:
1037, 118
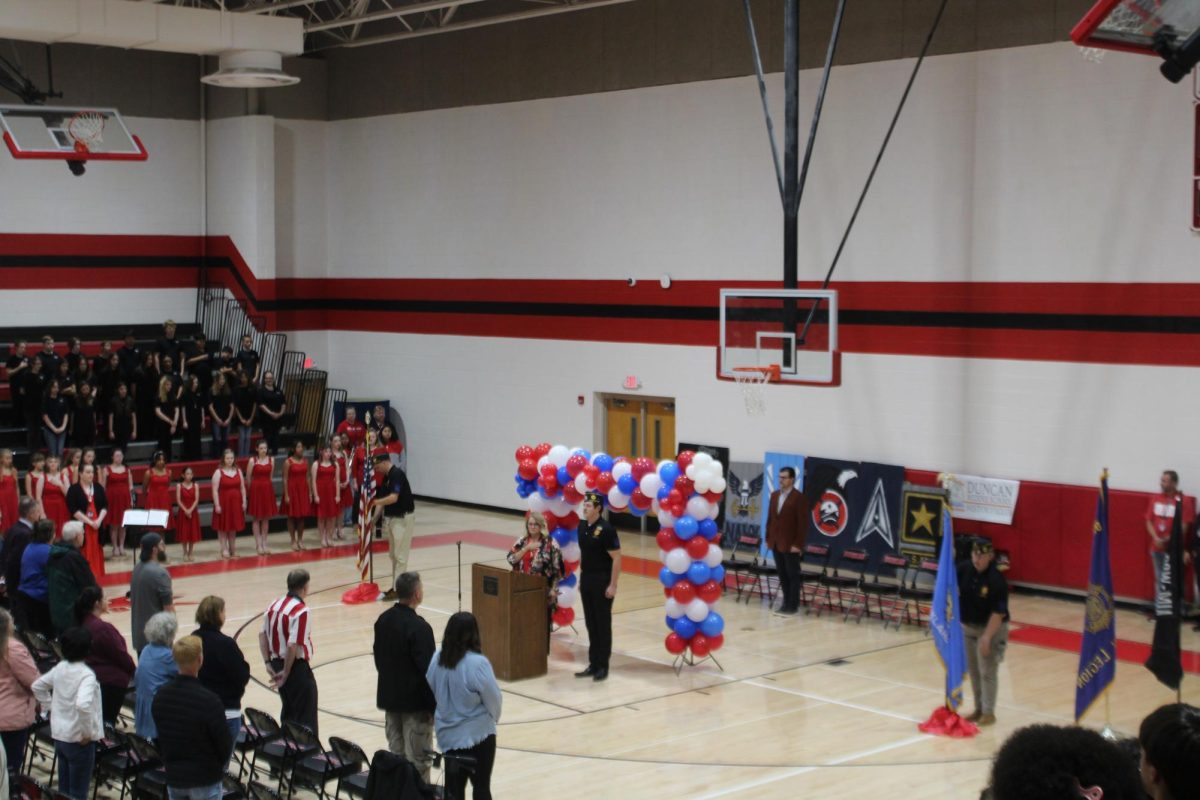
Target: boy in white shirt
71, 693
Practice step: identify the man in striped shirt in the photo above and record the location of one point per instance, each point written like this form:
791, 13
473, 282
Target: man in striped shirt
286, 646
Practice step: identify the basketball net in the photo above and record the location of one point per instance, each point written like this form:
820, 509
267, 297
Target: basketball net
86, 129
753, 382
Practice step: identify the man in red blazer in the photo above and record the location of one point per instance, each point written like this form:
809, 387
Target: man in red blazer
787, 526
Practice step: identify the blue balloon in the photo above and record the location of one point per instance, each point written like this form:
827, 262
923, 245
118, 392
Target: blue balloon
670, 623
603, 462
663, 491
561, 535
669, 473
522, 492
626, 484
637, 512
699, 572
570, 580
542, 491
579, 451
564, 477
717, 574
712, 625
685, 628
708, 528
668, 578
686, 527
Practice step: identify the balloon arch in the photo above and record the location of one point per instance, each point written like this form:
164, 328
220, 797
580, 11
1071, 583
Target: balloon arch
684, 494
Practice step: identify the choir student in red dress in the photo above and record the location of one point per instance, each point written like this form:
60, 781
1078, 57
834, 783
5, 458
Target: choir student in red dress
187, 519
117, 483
53, 494
73, 459
9, 498
297, 494
87, 503
35, 477
229, 503
260, 477
325, 481
156, 486
344, 459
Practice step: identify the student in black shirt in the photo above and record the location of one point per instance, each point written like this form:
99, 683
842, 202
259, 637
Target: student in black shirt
168, 345
245, 409
248, 358
83, 421
145, 393
220, 408
74, 353
131, 357
100, 360
55, 417
48, 357
198, 361
33, 387
122, 418
192, 404
599, 571
271, 408
18, 367
166, 416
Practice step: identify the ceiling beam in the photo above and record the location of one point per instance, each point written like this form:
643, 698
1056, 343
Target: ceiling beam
375, 16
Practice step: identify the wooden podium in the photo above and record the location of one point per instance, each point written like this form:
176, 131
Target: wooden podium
511, 610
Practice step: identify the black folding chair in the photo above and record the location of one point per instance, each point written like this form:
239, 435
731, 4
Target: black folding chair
261, 730
884, 584
813, 565
260, 792
27, 788
45, 653
846, 579
351, 755
749, 575
917, 588
41, 747
319, 766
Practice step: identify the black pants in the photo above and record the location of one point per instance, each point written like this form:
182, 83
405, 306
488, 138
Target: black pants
299, 694
788, 566
163, 432
481, 779
14, 752
270, 431
111, 698
597, 612
36, 615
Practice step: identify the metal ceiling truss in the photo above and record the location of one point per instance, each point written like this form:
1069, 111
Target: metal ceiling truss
356, 23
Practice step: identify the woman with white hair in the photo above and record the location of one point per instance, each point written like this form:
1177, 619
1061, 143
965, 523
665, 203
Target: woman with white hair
155, 667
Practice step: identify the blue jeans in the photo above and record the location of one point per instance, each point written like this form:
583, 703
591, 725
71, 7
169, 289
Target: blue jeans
220, 439
54, 441
195, 793
244, 432
75, 764
235, 727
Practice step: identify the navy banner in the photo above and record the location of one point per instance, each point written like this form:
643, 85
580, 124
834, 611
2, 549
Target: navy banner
855, 505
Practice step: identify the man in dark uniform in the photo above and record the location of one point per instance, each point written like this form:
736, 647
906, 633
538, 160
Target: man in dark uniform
983, 601
787, 525
599, 570
395, 503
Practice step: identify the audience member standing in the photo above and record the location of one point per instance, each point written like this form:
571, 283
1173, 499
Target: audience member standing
468, 705
1160, 516
87, 502
1170, 740
33, 592
286, 644
155, 667
109, 656
192, 735
229, 503
68, 575
16, 539
787, 525
71, 693
150, 590
271, 408
395, 503
117, 486
225, 670
18, 707
404, 649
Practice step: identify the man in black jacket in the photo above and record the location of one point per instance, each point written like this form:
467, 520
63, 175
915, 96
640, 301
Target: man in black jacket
192, 735
67, 572
395, 503
16, 538
403, 649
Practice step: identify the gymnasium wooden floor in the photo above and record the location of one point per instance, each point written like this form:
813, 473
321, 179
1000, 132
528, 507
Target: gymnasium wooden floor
804, 705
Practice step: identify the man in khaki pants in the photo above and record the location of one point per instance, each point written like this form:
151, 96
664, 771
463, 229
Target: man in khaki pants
403, 648
395, 503
983, 603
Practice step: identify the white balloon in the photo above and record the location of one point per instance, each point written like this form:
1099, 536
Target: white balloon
697, 507
581, 483
623, 468
678, 561
665, 519
692, 471
544, 460
702, 482
616, 499
675, 610
558, 455
662, 555
714, 510
714, 557
566, 596
537, 503
697, 610
561, 507
702, 459
719, 485
650, 484
571, 552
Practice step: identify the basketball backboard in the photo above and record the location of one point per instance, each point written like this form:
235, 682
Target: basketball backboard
69, 134
1132, 25
795, 329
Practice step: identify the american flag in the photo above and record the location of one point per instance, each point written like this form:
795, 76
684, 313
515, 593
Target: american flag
366, 495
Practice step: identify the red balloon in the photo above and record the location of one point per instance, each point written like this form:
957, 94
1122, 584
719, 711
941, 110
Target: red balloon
697, 547
575, 465
683, 591
714, 497
666, 591
542, 449
666, 539
571, 494
709, 591
675, 644
570, 521
524, 452
674, 496
564, 616
605, 482
678, 510
715, 642
685, 486
549, 484
570, 566
684, 459
591, 470
641, 467
548, 470
639, 500
699, 645
527, 469
552, 521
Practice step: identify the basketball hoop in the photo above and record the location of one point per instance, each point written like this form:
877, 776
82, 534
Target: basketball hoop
85, 129
753, 381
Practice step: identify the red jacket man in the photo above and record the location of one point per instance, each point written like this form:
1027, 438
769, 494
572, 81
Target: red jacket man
787, 526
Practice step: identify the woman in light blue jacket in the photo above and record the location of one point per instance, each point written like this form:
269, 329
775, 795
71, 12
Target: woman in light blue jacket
468, 706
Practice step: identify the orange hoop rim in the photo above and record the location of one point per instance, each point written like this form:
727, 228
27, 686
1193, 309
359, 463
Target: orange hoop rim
771, 371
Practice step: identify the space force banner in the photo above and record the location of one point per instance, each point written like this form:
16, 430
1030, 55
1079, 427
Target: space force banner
858, 506
983, 499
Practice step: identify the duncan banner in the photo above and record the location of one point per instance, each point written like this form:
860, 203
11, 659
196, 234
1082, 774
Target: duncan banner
858, 507
983, 499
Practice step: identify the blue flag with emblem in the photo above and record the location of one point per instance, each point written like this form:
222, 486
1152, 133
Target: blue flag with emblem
1097, 656
944, 621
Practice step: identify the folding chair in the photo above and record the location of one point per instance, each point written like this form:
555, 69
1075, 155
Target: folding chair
813, 564
749, 576
28, 789
41, 746
847, 578
351, 755
884, 584
261, 730
280, 752
45, 653
317, 766
917, 588
149, 777
260, 792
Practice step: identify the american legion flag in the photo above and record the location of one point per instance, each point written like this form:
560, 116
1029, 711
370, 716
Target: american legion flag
944, 621
1098, 655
